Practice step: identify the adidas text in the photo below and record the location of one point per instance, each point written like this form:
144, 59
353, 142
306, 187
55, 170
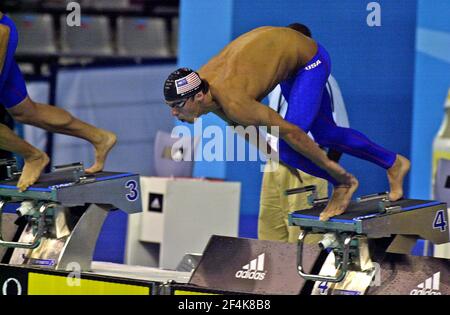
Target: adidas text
253, 270
429, 287
251, 275
424, 292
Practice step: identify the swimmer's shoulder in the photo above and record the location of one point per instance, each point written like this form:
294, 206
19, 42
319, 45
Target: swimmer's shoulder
4, 39
274, 30
4, 33
282, 35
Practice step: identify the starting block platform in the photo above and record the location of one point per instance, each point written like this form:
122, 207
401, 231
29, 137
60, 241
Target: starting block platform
358, 240
377, 218
62, 214
73, 188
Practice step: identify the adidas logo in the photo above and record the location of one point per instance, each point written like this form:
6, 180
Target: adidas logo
254, 270
429, 287
155, 204
313, 65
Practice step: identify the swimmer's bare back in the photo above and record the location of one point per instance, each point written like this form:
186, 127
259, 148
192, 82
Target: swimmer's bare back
246, 70
254, 63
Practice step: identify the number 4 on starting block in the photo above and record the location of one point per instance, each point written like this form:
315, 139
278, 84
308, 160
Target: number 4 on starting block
439, 221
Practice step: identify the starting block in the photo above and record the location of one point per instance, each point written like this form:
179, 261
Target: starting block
63, 213
356, 238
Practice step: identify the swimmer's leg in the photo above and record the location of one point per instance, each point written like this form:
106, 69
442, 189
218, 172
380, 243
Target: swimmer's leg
305, 100
353, 142
54, 119
35, 160
341, 195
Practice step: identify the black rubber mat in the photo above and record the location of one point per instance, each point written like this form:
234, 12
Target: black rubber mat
58, 178
358, 209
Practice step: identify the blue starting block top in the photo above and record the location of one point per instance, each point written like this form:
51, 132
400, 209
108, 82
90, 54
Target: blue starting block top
121, 190
407, 217
52, 181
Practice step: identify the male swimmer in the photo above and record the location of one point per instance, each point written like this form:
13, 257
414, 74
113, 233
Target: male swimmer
13, 96
233, 83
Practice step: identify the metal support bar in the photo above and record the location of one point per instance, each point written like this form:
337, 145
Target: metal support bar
8, 169
40, 231
76, 170
299, 190
381, 196
385, 206
341, 269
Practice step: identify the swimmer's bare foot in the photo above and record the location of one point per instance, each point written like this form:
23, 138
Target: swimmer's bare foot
396, 174
32, 169
340, 199
102, 147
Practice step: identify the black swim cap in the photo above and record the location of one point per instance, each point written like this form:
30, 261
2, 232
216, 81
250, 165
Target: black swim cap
182, 83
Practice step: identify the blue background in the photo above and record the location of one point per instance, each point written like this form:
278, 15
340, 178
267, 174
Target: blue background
432, 81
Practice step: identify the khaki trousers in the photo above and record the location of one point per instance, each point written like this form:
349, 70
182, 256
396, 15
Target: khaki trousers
275, 205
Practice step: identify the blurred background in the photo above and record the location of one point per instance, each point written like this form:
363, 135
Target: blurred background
110, 70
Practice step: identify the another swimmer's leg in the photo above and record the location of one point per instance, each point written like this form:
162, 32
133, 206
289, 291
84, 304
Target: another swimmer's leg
57, 120
35, 160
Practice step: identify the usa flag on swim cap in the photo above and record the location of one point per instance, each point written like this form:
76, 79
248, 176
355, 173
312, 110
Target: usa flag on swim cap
188, 83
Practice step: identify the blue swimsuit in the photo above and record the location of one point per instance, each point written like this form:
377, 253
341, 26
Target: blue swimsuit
12, 85
310, 109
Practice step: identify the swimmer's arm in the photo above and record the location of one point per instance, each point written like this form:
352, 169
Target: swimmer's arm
246, 136
224, 117
253, 113
4, 39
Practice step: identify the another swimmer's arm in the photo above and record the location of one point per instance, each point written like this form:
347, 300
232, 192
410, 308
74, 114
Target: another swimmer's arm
251, 112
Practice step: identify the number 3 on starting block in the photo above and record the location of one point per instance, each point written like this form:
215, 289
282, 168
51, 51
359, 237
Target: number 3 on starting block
439, 221
133, 193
